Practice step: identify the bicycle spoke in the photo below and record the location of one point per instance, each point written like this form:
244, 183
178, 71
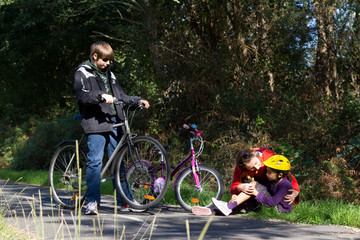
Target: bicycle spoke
147, 173
64, 177
188, 195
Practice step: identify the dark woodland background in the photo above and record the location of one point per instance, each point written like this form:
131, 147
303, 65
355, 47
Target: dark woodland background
260, 73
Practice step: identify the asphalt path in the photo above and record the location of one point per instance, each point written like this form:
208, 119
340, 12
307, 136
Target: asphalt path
31, 209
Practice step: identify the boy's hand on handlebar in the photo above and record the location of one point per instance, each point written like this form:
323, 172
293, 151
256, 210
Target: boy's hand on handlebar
108, 98
145, 102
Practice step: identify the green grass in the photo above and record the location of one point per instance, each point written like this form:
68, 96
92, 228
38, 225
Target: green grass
319, 212
40, 178
308, 212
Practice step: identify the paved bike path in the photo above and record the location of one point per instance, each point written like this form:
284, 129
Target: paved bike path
41, 217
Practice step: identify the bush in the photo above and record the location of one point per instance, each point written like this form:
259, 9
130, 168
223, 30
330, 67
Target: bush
30, 146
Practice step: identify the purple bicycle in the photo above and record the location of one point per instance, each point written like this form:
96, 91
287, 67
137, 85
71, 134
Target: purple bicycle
195, 185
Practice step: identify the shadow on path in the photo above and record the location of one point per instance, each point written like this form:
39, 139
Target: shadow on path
43, 218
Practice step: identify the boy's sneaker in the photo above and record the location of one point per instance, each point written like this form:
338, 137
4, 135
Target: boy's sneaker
124, 208
137, 210
201, 211
91, 208
222, 206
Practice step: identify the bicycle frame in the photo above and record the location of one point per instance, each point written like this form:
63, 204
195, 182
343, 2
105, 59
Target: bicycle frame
117, 149
125, 139
194, 163
143, 190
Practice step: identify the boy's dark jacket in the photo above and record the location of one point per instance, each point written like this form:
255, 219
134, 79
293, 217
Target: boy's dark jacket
96, 113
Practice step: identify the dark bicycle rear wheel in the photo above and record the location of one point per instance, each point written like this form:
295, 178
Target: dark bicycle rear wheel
68, 187
144, 178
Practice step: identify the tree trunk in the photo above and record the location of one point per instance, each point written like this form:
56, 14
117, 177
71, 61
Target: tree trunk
325, 59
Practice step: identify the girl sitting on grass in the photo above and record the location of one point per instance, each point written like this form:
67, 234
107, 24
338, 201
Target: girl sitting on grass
271, 194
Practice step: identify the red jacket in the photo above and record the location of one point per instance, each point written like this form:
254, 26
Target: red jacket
260, 174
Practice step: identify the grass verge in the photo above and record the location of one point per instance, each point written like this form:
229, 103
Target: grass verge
319, 212
40, 178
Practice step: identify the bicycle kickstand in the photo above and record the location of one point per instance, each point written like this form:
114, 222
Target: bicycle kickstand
167, 208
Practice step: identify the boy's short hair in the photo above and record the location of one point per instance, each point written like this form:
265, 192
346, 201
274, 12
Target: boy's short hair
102, 49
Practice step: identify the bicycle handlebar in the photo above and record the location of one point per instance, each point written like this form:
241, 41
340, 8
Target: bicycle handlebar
192, 129
137, 104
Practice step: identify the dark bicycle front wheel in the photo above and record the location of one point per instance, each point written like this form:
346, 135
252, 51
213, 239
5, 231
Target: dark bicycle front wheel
68, 187
188, 194
142, 173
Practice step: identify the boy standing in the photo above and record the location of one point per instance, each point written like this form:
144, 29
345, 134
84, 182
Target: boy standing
95, 88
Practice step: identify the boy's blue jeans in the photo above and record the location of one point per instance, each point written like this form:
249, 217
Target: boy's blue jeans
96, 145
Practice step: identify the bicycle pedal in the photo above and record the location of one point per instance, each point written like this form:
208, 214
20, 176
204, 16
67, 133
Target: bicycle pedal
195, 200
149, 197
107, 179
75, 197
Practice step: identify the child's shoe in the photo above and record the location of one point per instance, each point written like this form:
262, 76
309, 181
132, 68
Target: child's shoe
201, 211
222, 206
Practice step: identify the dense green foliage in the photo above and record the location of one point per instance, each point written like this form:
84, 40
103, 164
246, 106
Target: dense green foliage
279, 74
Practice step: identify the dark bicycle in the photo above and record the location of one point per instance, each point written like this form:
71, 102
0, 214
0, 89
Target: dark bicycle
69, 187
